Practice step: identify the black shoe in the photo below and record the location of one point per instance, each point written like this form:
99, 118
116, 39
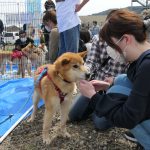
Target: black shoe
128, 135
139, 147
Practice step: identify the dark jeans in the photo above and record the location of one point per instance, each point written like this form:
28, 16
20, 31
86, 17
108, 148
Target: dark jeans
81, 110
69, 40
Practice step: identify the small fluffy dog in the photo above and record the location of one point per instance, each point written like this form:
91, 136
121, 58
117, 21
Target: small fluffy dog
55, 84
35, 56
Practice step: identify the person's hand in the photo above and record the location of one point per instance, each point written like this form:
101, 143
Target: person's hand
110, 80
100, 85
77, 7
86, 88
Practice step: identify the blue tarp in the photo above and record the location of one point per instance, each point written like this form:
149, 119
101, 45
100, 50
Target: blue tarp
15, 100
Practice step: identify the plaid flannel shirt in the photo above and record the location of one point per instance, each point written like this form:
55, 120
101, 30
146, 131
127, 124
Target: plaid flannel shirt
96, 58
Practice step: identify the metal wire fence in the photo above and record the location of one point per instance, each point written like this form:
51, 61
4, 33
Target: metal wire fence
15, 17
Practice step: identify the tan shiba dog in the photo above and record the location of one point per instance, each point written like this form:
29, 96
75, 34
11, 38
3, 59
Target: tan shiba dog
56, 87
35, 55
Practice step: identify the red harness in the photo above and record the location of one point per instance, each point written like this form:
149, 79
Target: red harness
17, 54
60, 93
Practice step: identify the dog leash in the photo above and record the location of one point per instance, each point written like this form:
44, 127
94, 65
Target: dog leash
42, 72
11, 115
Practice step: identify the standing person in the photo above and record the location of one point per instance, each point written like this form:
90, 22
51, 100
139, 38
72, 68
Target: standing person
146, 17
95, 29
127, 103
23, 40
1, 26
84, 41
68, 24
46, 32
50, 22
1, 30
103, 67
20, 43
49, 5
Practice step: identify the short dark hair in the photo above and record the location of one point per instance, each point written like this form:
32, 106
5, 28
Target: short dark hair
50, 16
49, 5
95, 22
22, 32
85, 35
120, 22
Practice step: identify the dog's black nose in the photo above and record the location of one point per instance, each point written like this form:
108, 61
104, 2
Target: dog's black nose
87, 76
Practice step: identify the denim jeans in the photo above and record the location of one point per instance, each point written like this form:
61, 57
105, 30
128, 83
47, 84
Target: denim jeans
142, 133
121, 85
81, 110
69, 40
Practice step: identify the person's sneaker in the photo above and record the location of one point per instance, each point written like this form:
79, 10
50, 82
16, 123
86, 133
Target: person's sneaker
128, 135
139, 147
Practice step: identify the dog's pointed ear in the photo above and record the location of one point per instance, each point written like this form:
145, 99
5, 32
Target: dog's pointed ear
23, 49
61, 62
31, 45
83, 54
42, 45
65, 61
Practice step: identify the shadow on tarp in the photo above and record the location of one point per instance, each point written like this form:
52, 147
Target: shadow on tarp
15, 100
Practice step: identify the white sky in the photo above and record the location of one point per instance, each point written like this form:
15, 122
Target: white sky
95, 6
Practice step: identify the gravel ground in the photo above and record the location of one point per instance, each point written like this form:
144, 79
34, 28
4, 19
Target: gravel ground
27, 136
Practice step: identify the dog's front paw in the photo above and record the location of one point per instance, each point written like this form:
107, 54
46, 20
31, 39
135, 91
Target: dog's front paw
46, 138
31, 119
65, 134
46, 141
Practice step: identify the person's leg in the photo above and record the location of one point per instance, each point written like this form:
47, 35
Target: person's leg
123, 80
80, 109
71, 37
62, 47
101, 123
121, 85
142, 134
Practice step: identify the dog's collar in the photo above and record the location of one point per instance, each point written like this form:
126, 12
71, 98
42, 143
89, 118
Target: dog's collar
63, 78
60, 93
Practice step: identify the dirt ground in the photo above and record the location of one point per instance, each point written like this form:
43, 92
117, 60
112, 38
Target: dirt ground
28, 136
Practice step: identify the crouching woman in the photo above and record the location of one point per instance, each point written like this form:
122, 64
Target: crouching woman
127, 103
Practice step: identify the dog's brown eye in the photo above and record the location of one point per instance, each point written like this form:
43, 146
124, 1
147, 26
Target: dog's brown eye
75, 66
